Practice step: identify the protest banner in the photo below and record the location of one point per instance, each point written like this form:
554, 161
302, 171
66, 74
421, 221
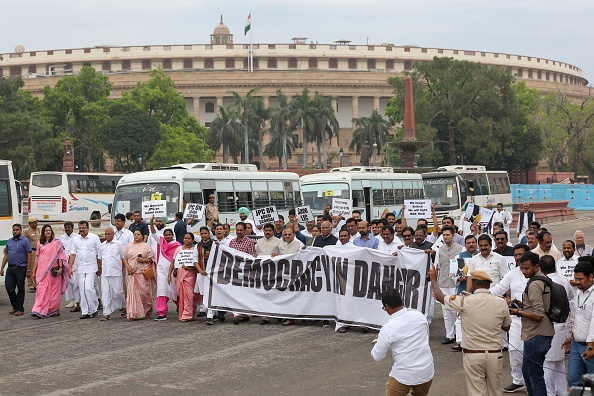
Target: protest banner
304, 213
335, 282
341, 206
194, 210
417, 208
154, 208
265, 215
565, 268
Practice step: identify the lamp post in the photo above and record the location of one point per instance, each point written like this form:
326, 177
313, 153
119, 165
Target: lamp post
341, 154
374, 151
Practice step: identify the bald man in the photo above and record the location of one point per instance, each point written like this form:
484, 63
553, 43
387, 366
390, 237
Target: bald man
365, 239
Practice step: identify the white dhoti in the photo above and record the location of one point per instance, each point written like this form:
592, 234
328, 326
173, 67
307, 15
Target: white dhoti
112, 294
554, 364
88, 295
516, 348
72, 292
449, 317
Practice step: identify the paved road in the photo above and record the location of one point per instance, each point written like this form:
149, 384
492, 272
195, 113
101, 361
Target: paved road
65, 355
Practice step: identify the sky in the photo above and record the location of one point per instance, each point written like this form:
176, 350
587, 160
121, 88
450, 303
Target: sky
552, 29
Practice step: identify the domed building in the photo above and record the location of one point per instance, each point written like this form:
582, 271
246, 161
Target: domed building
204, 73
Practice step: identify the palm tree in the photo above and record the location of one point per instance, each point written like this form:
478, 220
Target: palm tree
276, 149
280, 125
373, 129
244, 107
259, 114
326, 125
303, 113
225, 131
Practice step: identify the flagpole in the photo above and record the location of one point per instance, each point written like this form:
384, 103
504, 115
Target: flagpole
251, 62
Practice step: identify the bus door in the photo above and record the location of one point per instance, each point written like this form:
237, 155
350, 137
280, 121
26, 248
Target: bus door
368, 197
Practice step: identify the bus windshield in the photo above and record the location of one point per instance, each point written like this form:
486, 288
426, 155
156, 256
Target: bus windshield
443, 192
129, 198
318, 195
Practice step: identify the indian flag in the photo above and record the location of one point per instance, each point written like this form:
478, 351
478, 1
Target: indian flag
248, 24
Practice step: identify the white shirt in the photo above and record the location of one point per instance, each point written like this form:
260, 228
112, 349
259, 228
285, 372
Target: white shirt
305, 233
383, 247
583, 320
502, 217
123, 236
153, 241
67, 241
87, 251
353, 237
494, 265
407, 335
111, 258
267, 246
338, 243
225, 241
290, 248
514, 281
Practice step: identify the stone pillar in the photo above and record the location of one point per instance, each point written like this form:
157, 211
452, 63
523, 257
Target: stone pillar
196, 106
219, 103
355, 108
68, 157
376, 103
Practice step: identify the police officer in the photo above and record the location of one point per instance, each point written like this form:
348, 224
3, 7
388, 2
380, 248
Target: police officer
32, 233
481, 334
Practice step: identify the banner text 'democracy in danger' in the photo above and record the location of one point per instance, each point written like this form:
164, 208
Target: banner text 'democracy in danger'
335, 282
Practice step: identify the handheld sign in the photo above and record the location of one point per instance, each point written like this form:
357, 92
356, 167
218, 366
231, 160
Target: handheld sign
304, 213
184, 258
194, 210
265, 215
417, 208
154, 208
471, 211
486, 215
341, 206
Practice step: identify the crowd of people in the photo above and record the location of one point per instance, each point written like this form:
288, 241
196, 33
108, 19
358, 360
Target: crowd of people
497, 301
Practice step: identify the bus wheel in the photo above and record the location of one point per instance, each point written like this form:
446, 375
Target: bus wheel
96, 216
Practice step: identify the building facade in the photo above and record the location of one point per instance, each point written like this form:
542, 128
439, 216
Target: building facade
204, 73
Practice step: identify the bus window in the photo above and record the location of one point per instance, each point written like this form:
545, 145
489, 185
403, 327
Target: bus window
505, 189
418, 186
46, 180
261, 197
226, 201
408, 189
5, 198
378, 193
244, 195
358, 199
289, 195
277, 195
388, 192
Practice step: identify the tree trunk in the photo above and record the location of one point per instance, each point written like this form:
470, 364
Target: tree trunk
225, 153
451, 142
324, 143
261, 149
246, 159
318, 146
284, 143
305, 164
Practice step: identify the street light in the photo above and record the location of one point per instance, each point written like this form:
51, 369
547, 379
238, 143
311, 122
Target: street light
341, 154
374, 151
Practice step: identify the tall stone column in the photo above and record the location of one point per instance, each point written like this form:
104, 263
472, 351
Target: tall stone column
196, 106
376, 103
355, 108
219, 103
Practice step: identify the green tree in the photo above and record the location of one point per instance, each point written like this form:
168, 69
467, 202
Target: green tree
303, 114
281, 125
26, 138
373, 129
130, 137
179, 146
225, 131
259, 115
76, 107
326, 126
244, 107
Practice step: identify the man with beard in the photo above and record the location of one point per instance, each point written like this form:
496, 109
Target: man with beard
569, 260
364, 239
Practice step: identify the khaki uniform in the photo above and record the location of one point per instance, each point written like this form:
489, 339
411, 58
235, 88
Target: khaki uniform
33, 236
211, 213
482, 315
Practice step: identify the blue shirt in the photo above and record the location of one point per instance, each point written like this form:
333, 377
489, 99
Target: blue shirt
371, 242
142, 227
17, 250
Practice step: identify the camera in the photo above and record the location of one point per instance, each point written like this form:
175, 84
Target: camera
514, 305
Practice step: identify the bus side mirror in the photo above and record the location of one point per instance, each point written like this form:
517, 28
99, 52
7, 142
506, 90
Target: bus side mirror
109, 208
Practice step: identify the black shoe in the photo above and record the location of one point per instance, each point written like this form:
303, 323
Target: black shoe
513, 388
236, 321
505, 349
100, 307
342, 330
75, 309
94, 314
447, 341
160, 318
85, 317
264, 322
209, 322
245, 319
278, 320
364, 330
325, 323
457, 348
201, 314
222, 317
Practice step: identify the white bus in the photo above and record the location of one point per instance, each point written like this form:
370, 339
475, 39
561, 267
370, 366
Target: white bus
10, 201
375, 191
451, 188
234, 186
71, 196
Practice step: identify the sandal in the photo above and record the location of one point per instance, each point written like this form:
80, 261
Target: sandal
105, 318
288, 322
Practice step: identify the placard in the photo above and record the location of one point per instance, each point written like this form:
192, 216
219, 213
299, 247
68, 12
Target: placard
472, 210
510, 261
194, 210
156, 196
565, 267
185, 258
154, 208
304, 213
417, 208
342, 207
265, 215
485, 216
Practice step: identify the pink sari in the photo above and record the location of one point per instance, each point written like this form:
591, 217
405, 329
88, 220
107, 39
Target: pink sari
185, 281
50, 288
141, 292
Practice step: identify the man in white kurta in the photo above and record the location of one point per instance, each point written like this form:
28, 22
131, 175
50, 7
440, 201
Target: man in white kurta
289, 244
71, 294
112, 284
85, 253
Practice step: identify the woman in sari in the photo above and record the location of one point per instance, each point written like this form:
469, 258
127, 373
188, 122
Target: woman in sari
185, 266
141, 291
51, 274
203, 247
166, 247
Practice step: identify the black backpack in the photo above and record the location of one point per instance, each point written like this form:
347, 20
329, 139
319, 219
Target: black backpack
559, 308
